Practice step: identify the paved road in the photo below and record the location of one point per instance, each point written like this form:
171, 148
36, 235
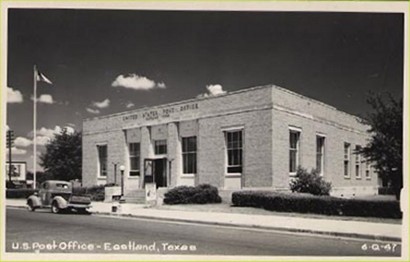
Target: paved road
76, 233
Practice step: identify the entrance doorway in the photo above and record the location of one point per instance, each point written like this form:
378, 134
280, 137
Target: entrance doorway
155, 171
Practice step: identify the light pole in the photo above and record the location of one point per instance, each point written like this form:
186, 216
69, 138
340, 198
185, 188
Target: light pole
122, 168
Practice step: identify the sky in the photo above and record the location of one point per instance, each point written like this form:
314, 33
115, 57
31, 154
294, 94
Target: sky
108, 61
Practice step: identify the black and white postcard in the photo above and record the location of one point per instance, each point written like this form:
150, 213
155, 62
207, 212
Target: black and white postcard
204, 130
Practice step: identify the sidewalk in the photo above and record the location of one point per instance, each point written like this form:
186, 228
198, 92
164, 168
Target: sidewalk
340, 228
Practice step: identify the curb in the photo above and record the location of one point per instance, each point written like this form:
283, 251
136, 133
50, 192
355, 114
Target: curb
280, 229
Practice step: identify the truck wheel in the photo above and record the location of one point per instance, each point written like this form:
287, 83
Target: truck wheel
30, 206
55, 209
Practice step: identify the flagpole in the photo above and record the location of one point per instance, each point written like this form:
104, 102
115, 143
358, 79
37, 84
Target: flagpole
35, 128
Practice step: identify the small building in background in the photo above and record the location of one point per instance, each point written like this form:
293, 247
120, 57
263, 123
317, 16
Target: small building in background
253, 138
18, 173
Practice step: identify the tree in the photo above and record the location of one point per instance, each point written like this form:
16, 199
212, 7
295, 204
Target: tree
63, 156
40, 176
386, 143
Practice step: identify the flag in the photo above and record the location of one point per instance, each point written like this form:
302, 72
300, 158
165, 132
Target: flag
41, 77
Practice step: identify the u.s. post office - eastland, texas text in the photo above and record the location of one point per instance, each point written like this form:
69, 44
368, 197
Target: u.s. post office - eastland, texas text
254, 138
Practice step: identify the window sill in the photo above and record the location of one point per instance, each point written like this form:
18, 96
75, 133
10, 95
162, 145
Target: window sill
133, 177
293, 174
102, 178
233, 174
368, 178
187, 175
347, 177
358, 178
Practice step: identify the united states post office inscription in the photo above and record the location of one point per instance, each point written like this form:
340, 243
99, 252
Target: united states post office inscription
160, 113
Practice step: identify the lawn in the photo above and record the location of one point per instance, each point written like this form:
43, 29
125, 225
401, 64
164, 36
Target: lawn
227, 208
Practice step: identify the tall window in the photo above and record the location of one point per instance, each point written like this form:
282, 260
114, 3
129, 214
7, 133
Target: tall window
294, 141
357, 161
102, 160
189, 155
320, 154
160, 147
134, 152
234, 151
346, 161
367, 169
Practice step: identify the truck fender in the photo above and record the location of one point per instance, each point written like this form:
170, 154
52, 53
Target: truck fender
35, 200
62, 203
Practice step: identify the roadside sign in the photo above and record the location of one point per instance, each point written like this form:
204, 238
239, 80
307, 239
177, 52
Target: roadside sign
150, 192
18, 170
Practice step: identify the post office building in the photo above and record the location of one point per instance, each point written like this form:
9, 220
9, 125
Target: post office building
254, 138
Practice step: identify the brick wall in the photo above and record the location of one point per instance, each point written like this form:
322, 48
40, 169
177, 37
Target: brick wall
257, 165
264, 114
314, 118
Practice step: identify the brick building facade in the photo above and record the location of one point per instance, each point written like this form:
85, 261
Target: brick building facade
249, 139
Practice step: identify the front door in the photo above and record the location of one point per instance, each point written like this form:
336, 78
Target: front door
155, 171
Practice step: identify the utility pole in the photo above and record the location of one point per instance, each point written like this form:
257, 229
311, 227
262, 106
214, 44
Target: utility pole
10, 142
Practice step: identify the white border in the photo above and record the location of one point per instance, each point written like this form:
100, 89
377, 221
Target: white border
383, 7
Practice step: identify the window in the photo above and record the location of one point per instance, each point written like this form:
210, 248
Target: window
294, 141
346, 160
134, 152
234, 151
102, 160
357, 162
320, 154
189, 155
367, 169
160, 147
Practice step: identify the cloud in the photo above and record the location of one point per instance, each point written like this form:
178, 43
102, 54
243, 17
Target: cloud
43, 140
17, 151
130, 104
14, 96
49, 132
92, 111
22, 142
46, 98
102, 104
213, 90
69, 130
161, 85
134, 81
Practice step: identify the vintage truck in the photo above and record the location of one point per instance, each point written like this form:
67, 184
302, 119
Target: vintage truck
58, 195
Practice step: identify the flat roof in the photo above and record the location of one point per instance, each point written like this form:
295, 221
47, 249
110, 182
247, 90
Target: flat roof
247, 89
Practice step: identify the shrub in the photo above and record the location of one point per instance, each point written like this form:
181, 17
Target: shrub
110, 185
201, 194
325, 205
386, 191
96, 193
10, 184
79, 190
20, 193
310, 182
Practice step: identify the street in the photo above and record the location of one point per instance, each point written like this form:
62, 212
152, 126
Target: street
74, 233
